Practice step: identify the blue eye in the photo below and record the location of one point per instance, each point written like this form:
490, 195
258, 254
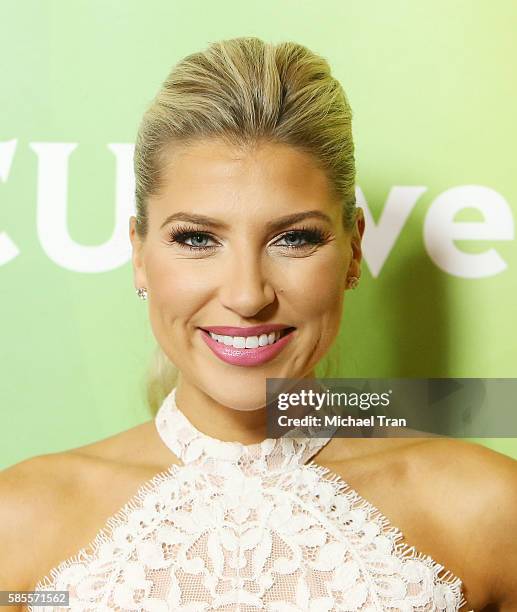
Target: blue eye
181, 237
311, 236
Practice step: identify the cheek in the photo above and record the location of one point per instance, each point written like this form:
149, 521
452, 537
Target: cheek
317, 286
176, 291
313, 287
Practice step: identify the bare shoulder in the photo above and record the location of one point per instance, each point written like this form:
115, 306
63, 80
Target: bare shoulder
473, 492
31, 493
136, 446
470, 458
453, 499
42, 499
479, 477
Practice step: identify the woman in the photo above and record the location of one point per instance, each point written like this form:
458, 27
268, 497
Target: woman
246, 219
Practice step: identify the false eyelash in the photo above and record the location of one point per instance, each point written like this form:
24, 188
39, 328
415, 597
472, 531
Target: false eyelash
312, 235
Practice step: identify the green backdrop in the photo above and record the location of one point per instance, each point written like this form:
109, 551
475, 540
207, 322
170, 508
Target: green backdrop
432, 88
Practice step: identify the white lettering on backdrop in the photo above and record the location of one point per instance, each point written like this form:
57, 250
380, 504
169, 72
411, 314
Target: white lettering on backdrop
439, 230
52, 210
8, 250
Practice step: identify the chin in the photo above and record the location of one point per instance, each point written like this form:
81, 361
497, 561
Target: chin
239, 398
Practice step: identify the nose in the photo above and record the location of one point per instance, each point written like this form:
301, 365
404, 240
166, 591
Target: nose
247, 287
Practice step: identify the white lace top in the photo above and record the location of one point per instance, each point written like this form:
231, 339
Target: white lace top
245, 528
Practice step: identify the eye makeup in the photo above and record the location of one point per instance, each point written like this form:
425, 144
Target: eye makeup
310, 235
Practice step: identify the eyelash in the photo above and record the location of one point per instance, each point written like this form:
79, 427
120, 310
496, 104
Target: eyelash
313, 236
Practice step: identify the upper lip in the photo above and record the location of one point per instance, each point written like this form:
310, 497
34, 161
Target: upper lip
255, 330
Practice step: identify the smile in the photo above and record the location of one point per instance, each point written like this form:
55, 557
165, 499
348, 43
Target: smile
250, 350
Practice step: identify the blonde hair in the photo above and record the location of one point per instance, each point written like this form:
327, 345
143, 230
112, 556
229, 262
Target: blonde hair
245, 91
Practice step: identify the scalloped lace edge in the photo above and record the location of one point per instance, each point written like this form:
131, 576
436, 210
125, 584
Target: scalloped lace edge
87, 553
402, 549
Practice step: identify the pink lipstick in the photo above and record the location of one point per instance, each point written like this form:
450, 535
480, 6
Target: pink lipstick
247, 356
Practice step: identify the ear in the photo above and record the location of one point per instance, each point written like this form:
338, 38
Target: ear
355, 242
137, 258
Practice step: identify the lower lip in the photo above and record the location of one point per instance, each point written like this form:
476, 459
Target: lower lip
246, 357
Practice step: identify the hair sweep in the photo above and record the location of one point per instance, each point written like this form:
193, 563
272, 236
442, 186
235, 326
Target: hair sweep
244, 91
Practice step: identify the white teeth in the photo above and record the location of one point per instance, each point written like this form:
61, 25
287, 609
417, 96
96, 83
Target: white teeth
263, 340
247, 342
252, 342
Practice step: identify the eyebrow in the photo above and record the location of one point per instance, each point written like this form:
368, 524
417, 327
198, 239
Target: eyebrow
276, 224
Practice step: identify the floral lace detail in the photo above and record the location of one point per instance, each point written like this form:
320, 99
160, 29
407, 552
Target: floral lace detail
246, 528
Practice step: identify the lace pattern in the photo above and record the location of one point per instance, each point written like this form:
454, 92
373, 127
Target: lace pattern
246, 528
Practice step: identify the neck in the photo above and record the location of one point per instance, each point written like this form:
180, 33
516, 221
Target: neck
219, 421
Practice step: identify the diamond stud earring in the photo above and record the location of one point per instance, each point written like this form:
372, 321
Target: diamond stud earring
352, 282
142, 293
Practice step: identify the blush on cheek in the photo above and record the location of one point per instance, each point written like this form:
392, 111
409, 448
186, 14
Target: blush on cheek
175, 304
323, 297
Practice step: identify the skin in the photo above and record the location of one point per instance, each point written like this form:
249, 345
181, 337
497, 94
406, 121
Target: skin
246, 279
452, 500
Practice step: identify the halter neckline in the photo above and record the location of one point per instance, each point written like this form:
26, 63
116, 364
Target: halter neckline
192, 446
